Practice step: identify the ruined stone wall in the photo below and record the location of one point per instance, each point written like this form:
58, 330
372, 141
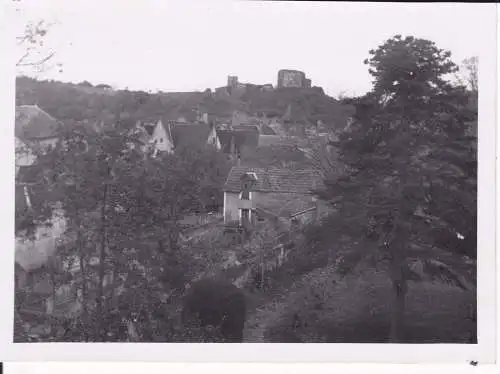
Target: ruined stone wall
292, 78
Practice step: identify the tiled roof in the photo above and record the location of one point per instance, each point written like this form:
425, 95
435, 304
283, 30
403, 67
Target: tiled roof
253, 128
241, 138
149, 127
275, 180
33, 123
268, 140
282, 205
190, 135
267, 130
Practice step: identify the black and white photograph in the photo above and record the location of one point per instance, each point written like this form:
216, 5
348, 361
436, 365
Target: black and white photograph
251, 172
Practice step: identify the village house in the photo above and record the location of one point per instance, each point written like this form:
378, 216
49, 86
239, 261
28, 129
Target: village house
36, 134
236, 140
174, 135
242, 118
35, 253
24, 155
257, 194
36, 129
46, 283
277, 140
145, 131
35, 262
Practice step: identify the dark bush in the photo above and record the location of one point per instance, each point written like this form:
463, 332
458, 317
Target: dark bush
217, 303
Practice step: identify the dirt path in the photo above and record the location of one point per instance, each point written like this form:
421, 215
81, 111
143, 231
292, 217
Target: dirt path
272, 305
269, 307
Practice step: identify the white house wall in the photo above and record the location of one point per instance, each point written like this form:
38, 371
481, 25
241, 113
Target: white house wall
161, 140
24, 155
44, 145
231, 206
287, 202
213, 139
31, 254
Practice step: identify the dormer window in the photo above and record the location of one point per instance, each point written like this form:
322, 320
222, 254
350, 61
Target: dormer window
247, 182
245, 194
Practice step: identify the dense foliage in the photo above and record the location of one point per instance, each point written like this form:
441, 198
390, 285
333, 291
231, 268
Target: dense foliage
123, 210
409, 184
216, 303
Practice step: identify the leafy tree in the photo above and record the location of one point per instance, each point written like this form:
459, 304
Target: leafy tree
123, 211
397, 154
469, 76
85, 84
204, 172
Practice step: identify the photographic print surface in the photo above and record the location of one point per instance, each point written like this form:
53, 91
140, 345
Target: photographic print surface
245, 173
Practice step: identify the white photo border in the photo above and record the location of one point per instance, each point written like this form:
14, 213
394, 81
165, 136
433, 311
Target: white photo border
483, 352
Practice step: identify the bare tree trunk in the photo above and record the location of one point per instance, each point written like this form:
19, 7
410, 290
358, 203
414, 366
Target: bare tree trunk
53, 284
84, 279
399, 290
102, 257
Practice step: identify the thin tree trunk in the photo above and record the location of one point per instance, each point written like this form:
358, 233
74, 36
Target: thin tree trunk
84, 279
53, 283
399, 290
102, 257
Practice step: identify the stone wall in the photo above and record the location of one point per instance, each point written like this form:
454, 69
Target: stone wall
292, 78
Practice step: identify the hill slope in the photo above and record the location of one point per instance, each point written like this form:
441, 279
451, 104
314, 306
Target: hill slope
76, 102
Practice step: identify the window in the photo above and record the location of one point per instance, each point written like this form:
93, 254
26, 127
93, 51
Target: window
245, 194
245, 216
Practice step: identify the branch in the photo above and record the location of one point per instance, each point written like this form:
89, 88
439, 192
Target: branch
438, 270
34, 63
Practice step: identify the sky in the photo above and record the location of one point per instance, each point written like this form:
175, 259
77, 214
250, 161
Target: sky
193, 45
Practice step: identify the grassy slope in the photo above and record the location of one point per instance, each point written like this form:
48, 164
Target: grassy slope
356, 310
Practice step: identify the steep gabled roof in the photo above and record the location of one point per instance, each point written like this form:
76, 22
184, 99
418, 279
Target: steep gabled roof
267, 130
241, 139
149, 128
246, 139
275, 180
32, 123
225, 138
190, 135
